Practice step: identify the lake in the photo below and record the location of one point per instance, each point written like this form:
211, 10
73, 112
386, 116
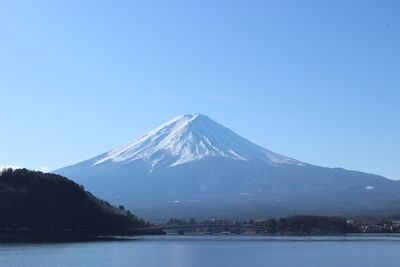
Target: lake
204, 251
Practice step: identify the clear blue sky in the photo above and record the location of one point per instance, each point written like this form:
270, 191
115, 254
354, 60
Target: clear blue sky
315, 80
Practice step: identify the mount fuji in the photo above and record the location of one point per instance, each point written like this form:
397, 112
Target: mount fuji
192, 166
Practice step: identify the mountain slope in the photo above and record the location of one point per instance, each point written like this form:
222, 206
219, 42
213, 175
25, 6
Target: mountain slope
193, 166
188, 138
47, 202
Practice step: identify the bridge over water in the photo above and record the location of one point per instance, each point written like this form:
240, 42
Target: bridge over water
192, 227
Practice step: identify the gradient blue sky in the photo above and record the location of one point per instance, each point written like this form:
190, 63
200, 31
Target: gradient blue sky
315, 80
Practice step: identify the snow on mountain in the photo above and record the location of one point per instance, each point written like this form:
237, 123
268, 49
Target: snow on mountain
194, 167
188, 138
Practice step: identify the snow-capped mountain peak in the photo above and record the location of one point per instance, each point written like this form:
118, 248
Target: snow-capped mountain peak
188, 138
193, 167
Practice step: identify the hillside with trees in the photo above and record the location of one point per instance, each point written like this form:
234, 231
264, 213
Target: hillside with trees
32, 201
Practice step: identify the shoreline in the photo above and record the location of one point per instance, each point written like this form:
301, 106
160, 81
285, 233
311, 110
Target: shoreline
67, 236
80, 238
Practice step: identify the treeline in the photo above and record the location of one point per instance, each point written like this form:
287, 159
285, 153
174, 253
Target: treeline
293, 224
309, 224
42, 202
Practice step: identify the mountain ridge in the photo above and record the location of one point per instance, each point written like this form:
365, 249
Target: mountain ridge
191, 137
193, 166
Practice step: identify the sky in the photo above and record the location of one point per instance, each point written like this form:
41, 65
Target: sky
318, 81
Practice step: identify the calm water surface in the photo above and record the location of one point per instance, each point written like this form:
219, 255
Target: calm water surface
204, 251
